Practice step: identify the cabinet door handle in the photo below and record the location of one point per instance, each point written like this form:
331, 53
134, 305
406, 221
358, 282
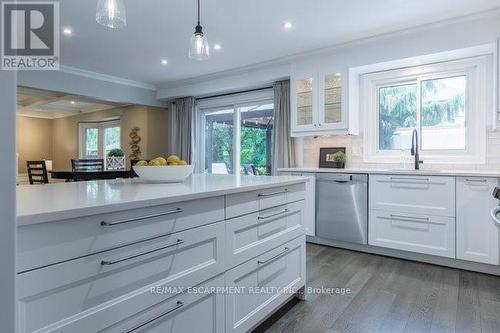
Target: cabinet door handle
272, 193
272, 258
409, 218
468, 180
402, 179
175, 308
116, 261
110, 224
265, 217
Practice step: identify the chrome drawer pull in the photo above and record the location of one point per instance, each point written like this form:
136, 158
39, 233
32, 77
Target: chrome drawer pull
271, 194
410, 217
272, 258
475, 180
110, 224
408, 178
273, 215
112, 262
175, 308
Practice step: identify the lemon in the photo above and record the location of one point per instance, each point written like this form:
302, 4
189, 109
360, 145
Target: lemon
141, 163
161, 160
173, 158
154, 163
182, 162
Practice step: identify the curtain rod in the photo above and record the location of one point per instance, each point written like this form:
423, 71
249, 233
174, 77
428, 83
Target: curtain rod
235, 93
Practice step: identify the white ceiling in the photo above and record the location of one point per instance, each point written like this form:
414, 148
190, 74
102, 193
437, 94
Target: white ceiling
51, 105
249, 31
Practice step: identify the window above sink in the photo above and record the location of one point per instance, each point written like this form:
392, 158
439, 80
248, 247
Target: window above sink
447, 102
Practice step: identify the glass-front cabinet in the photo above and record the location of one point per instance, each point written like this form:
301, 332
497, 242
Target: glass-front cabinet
304, 102
317, 103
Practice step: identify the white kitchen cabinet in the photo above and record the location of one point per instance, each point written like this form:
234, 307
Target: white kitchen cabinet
250, 202
310, 205
317, 102
477, 234
251, 235
197, 310
66, 296
263, 284
432, 195
434, 235
44, 244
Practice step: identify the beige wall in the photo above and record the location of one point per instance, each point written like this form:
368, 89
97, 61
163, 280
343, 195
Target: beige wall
33, 140
153, 124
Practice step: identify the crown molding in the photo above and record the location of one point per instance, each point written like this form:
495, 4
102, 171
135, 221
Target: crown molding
105, 77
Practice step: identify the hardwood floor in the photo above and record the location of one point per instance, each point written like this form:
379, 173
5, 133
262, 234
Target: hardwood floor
388, 295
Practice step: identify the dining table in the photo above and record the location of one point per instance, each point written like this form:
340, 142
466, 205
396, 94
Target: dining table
84, 175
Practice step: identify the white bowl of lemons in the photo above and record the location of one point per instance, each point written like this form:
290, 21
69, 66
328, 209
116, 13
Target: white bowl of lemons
163, 170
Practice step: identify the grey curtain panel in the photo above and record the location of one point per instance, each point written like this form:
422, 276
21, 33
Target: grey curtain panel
283, 149
181, 140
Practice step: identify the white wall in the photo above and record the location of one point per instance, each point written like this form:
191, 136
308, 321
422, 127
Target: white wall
7, 200
92, 85
433, 38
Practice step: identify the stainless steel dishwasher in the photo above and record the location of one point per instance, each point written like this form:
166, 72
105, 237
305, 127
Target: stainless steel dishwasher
342, 207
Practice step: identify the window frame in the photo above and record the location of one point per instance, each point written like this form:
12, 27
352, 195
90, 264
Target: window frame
477, 102
101, 127
234, 102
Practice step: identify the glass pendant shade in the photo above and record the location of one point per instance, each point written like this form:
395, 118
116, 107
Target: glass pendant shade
111, 13
198, 47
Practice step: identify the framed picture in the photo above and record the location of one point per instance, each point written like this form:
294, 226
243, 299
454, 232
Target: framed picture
332, 157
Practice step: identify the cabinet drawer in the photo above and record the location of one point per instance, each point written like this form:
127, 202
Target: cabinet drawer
250, 202
427, 234
413, 194
187, 313
250, 235
49, 243
65, 293
264, 282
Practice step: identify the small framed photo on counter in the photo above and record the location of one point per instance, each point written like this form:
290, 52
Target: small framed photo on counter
332, 157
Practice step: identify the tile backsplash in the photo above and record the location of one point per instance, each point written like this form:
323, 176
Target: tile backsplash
354, 152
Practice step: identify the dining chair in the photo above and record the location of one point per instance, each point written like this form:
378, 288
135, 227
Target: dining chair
37, 172
82, 164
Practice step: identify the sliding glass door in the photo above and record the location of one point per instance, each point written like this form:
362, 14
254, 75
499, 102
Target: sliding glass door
236, 138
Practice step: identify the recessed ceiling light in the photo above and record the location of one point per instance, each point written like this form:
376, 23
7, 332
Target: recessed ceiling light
217, 47
164, 62
67, 31
73, 102
287, 25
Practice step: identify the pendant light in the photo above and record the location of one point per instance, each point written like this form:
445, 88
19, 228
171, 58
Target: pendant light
111, 13
198, 46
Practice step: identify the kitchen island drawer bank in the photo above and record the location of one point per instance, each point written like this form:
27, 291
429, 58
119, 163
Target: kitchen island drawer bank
102, 272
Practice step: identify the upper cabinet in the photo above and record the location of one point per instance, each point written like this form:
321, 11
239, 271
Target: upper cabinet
305, 119
318, 103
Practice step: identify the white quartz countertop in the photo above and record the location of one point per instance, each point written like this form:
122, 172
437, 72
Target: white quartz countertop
464, 173
52, 202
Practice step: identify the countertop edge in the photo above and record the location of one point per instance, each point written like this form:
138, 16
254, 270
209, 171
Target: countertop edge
446, 173
30, 219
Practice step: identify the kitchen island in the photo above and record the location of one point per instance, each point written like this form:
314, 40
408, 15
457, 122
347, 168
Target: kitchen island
216, 253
